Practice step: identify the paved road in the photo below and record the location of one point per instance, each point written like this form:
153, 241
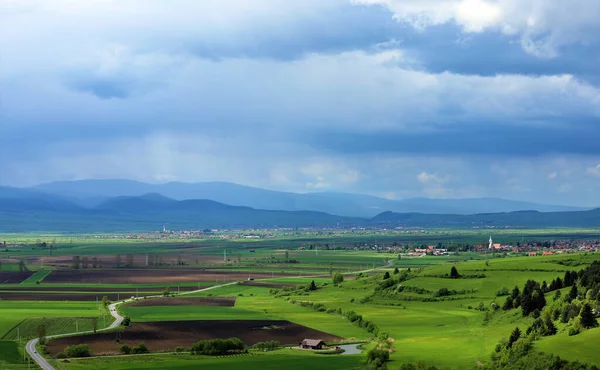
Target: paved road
112, 309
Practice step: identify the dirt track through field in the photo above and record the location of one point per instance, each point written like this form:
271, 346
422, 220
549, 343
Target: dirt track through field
168, 335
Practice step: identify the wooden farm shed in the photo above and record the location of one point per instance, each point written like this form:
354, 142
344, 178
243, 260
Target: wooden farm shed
312, 344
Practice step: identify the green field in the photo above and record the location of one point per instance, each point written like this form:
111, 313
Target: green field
448, 332
281, 359
179, 313
9, 353
38, 276
15, 312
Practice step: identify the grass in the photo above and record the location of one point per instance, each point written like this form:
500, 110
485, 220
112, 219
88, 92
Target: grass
14, 312
55, 325
9, 353
37, 276
281, 359
582, 347
182, 313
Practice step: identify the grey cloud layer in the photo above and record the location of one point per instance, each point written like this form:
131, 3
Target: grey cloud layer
304, 95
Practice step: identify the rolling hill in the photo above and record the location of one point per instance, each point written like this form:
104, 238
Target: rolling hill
89, 193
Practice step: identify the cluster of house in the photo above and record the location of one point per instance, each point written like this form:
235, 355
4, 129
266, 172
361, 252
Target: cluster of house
431, 250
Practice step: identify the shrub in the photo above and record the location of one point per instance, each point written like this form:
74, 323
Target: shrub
125, 349
78, 350
215, 347
573, 331
267, 346
140, 348
502, 292
179, 349
61, 355
126, 321
378, 355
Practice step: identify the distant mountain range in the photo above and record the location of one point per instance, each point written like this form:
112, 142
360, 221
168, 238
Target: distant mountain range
89, 193
70, 209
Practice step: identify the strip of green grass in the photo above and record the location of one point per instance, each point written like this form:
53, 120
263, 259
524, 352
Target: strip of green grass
182, 313
14, 312
582, 347
282, 359
38, 276
9, 353
56, 325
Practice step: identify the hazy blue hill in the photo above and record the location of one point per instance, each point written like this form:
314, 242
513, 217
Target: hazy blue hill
589, 218
92, 192
34, 211
25, 200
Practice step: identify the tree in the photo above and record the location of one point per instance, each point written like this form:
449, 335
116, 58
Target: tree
508, 304
573, 293
78, 350
105, 301
514, 336
550, 328
94, 324
41, 331
586, 317
338, 278
125, 349
140, 348
557, 295
130, 260
396, 271
94, 262
386, 275
84, 262
118, 260
287, 255
454, 273
312, 286
515, 293
22, 266
75, 262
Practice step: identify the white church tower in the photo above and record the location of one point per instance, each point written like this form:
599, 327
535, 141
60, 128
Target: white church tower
491, 243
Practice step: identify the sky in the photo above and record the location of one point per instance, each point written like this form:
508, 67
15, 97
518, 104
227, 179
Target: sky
394, 98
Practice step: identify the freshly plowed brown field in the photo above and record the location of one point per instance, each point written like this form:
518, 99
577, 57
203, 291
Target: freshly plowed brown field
16, 296
199, 301
14, 277
147, 276
168, 335
66, 289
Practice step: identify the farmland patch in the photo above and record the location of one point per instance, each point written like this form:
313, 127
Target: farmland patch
196, 301
168, 335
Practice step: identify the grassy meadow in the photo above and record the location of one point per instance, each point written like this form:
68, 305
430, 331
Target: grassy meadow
448, 333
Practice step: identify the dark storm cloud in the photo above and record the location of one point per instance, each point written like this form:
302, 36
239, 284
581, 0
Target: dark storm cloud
578, 137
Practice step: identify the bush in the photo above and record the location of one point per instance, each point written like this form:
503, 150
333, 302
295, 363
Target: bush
179, 349
61, 355
140, 348
502, 292
78, 350
267, 346
216, 347
126, 321
125, 349
573, 331
377, 356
